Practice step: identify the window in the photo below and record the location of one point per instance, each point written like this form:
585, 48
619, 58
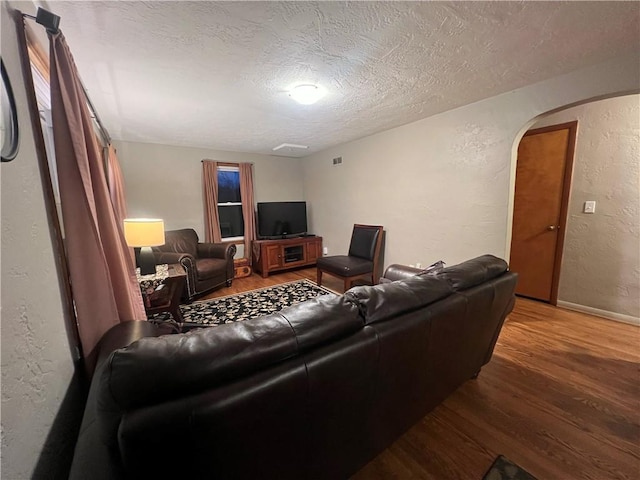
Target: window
230, 204
43, 98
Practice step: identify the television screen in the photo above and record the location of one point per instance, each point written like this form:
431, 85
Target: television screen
281, 219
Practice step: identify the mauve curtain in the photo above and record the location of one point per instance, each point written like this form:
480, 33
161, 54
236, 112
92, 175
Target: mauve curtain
248, 212
115, 181
102, 275
210, 193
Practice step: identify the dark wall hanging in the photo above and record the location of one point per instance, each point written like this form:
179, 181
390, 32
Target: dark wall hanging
9, 117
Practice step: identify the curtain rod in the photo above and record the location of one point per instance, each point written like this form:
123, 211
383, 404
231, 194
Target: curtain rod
51, 21
48, 20
229, 163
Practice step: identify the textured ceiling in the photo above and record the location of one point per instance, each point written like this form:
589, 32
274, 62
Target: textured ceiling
215, 74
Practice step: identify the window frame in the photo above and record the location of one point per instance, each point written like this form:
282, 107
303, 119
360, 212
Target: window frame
230, 167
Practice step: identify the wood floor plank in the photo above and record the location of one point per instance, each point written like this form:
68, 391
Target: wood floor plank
560, 397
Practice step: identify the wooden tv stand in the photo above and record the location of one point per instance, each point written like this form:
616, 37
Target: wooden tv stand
273, 255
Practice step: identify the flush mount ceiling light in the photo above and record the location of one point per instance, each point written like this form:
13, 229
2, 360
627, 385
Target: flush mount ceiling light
306, 94
289, 146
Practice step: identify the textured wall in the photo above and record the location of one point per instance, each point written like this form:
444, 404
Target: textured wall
166, 181
36, 362
443, 186
601, 258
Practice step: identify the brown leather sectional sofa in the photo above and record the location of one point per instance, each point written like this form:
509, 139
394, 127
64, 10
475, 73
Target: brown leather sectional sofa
313, 392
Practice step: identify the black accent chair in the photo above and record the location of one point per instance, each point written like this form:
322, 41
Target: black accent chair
208, 265
362, 261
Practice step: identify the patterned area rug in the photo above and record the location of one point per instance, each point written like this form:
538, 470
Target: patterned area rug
247, 305
505, 469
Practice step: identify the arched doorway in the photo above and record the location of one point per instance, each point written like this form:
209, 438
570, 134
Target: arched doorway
600, 257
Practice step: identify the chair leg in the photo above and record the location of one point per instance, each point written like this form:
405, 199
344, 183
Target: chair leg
177, 314
319, 277
347, 284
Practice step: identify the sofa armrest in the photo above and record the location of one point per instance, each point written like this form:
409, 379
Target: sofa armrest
400, 272
216, 250
94, 456
124, 334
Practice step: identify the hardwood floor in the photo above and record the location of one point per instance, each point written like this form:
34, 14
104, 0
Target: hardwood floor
560, 397
256, 281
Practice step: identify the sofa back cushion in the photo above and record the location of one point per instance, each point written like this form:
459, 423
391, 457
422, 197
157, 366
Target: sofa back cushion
381, 302
322, 319
180, 241
158, 369
473, 272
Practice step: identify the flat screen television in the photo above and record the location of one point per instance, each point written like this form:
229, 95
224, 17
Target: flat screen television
281, 219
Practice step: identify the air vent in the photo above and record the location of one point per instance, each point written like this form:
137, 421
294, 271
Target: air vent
337, 161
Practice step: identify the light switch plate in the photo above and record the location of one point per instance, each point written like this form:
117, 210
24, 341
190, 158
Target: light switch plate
589, 206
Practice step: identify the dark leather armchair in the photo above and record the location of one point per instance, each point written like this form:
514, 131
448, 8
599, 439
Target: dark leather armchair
208, 265
363, 260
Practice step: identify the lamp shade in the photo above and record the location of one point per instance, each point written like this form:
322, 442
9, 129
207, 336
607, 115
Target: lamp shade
144, 232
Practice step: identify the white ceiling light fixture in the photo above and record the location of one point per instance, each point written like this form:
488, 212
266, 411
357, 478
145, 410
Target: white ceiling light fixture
307, 94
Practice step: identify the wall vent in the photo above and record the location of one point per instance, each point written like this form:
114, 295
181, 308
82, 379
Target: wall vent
337, 161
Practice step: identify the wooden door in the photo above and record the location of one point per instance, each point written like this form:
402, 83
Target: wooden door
543, 176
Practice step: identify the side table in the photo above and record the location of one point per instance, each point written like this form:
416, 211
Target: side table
162, 292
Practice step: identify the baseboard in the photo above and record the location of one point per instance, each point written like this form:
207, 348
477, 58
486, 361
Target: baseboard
618, 317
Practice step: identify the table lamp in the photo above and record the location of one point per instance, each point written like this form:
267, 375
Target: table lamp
142, 234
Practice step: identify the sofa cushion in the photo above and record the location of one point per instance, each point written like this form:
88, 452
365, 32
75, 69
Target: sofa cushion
381, 302
473, 272
181, 241
344, 265
156, 369
210, 267
322, 319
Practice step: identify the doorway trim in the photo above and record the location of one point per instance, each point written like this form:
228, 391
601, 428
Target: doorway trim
572, 127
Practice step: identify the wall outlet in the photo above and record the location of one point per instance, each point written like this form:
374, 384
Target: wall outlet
325, 251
